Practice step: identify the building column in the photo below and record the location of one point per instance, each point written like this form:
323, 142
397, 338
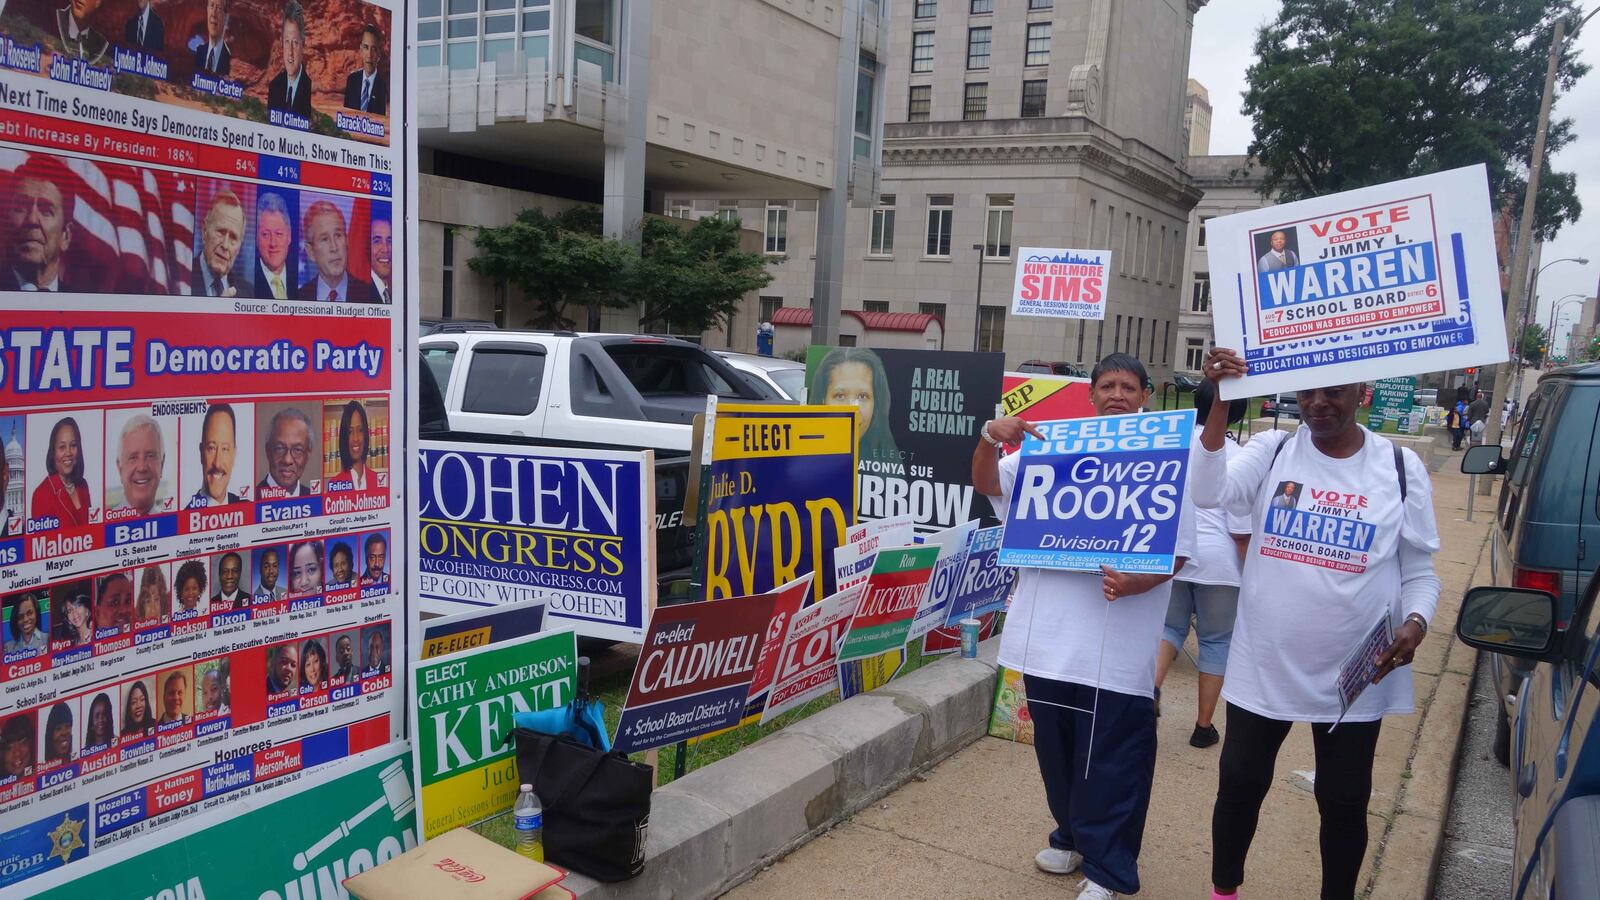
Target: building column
827, 289
623, 208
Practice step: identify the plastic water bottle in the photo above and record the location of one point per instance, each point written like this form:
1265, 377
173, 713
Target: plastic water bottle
529, 813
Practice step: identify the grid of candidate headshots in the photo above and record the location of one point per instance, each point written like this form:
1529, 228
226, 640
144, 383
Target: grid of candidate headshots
84, 467
108, 723
317, 66
91, 226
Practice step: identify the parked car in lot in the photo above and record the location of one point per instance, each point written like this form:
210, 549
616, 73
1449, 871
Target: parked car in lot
1043, 367
1185, 383
1548, 510
1555, 753
1426, 397
785, 377
612, 390
1284, 406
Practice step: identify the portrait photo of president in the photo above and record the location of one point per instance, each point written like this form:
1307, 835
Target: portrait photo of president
137, 472
221, 237
367, 88
324, 231
212, 56
274, 240
290, 90
144, 31
381, 262
75, 26
1277, 250
37, 215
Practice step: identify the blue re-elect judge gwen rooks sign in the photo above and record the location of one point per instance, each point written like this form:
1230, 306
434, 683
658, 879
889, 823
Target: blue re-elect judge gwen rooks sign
1101, 491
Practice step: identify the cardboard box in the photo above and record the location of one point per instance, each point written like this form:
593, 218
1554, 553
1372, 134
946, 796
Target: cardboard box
459, 863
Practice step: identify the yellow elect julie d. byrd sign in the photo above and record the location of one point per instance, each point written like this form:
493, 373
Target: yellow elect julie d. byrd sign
781, 496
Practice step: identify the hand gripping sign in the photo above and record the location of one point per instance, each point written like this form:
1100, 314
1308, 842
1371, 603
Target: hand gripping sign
1106, 491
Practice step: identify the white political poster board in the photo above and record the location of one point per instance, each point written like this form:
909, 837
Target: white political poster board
1389, 280
1060, 283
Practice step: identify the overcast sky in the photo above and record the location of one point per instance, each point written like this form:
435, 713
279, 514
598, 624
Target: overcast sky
1223, 49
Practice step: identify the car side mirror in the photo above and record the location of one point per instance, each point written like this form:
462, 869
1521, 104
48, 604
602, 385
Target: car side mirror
1511, 621
1483, 460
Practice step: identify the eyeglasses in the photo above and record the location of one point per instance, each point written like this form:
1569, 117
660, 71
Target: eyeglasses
296, 451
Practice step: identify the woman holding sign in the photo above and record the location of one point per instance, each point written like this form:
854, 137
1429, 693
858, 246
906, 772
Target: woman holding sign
1349, 566
1091, 691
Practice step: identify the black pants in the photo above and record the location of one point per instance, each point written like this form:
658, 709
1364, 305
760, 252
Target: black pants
1101, 813
1343, 786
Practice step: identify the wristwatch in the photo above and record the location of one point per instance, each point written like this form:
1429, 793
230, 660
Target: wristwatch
988, 439
1421, 622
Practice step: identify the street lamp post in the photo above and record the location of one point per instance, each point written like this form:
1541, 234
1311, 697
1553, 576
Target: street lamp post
1519, 265
1555, 309
977, 300
1533, 292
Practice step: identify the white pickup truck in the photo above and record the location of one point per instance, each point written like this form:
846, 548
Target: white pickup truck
612, 390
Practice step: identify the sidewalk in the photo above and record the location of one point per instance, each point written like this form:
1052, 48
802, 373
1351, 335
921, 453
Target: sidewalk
971, 825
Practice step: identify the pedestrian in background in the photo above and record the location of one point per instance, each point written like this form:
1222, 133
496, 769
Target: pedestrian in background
1302, 612
1207, 589
1091, 692
1455, 419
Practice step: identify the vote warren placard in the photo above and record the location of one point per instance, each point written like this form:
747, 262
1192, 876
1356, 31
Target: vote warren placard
883, 619
782, 494
1387, 280
694, 671
572, 529
1118, 481
462, 709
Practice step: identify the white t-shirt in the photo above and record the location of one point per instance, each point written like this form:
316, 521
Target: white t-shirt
1327, 557
1216, 559
1060, 623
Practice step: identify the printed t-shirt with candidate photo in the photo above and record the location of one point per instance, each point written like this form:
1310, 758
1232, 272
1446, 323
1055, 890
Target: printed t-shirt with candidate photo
1333, 547
1216, 559
1054, 626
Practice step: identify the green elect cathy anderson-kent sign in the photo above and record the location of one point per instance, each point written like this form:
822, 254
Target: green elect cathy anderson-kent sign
462, 714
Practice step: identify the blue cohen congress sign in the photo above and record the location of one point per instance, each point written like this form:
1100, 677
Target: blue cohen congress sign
1101, 491
568, 528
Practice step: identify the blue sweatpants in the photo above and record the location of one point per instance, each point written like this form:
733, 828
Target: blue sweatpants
1100, 815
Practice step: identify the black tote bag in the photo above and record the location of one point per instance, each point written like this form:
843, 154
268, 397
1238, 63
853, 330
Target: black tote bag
596, 805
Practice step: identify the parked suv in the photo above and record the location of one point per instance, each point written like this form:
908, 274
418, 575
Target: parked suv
1555, 763
1547, 514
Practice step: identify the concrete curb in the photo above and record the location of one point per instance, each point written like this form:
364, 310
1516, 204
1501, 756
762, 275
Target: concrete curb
1407, 859
719, 825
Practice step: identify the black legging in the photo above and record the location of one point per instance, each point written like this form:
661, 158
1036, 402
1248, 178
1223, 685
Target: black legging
1343, 787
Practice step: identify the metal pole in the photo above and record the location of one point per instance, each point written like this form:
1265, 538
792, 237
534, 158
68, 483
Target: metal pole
1519, 265
977, 299
1472, 491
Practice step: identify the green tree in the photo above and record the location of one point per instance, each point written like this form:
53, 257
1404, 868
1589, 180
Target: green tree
1349, 93
1534, 344
689, 280
560, 262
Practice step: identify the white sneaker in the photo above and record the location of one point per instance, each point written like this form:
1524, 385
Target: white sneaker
1091, 891
1058, 862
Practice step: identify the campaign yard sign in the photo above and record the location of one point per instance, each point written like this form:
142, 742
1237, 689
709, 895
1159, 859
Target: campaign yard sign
806, 663
883, 619
787, 602
1100, 491
984, 583
694, 671
1060, 283
946, 579
569, 528
781, 496
1387, 280
1044, 398
479, 628
462, 707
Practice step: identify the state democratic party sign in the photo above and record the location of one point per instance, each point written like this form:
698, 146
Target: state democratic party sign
338, 822
1387, 280
782, 494
1060, 284
694, 671
462, 708
1101, 491
883, 619
569, 528
918, 420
